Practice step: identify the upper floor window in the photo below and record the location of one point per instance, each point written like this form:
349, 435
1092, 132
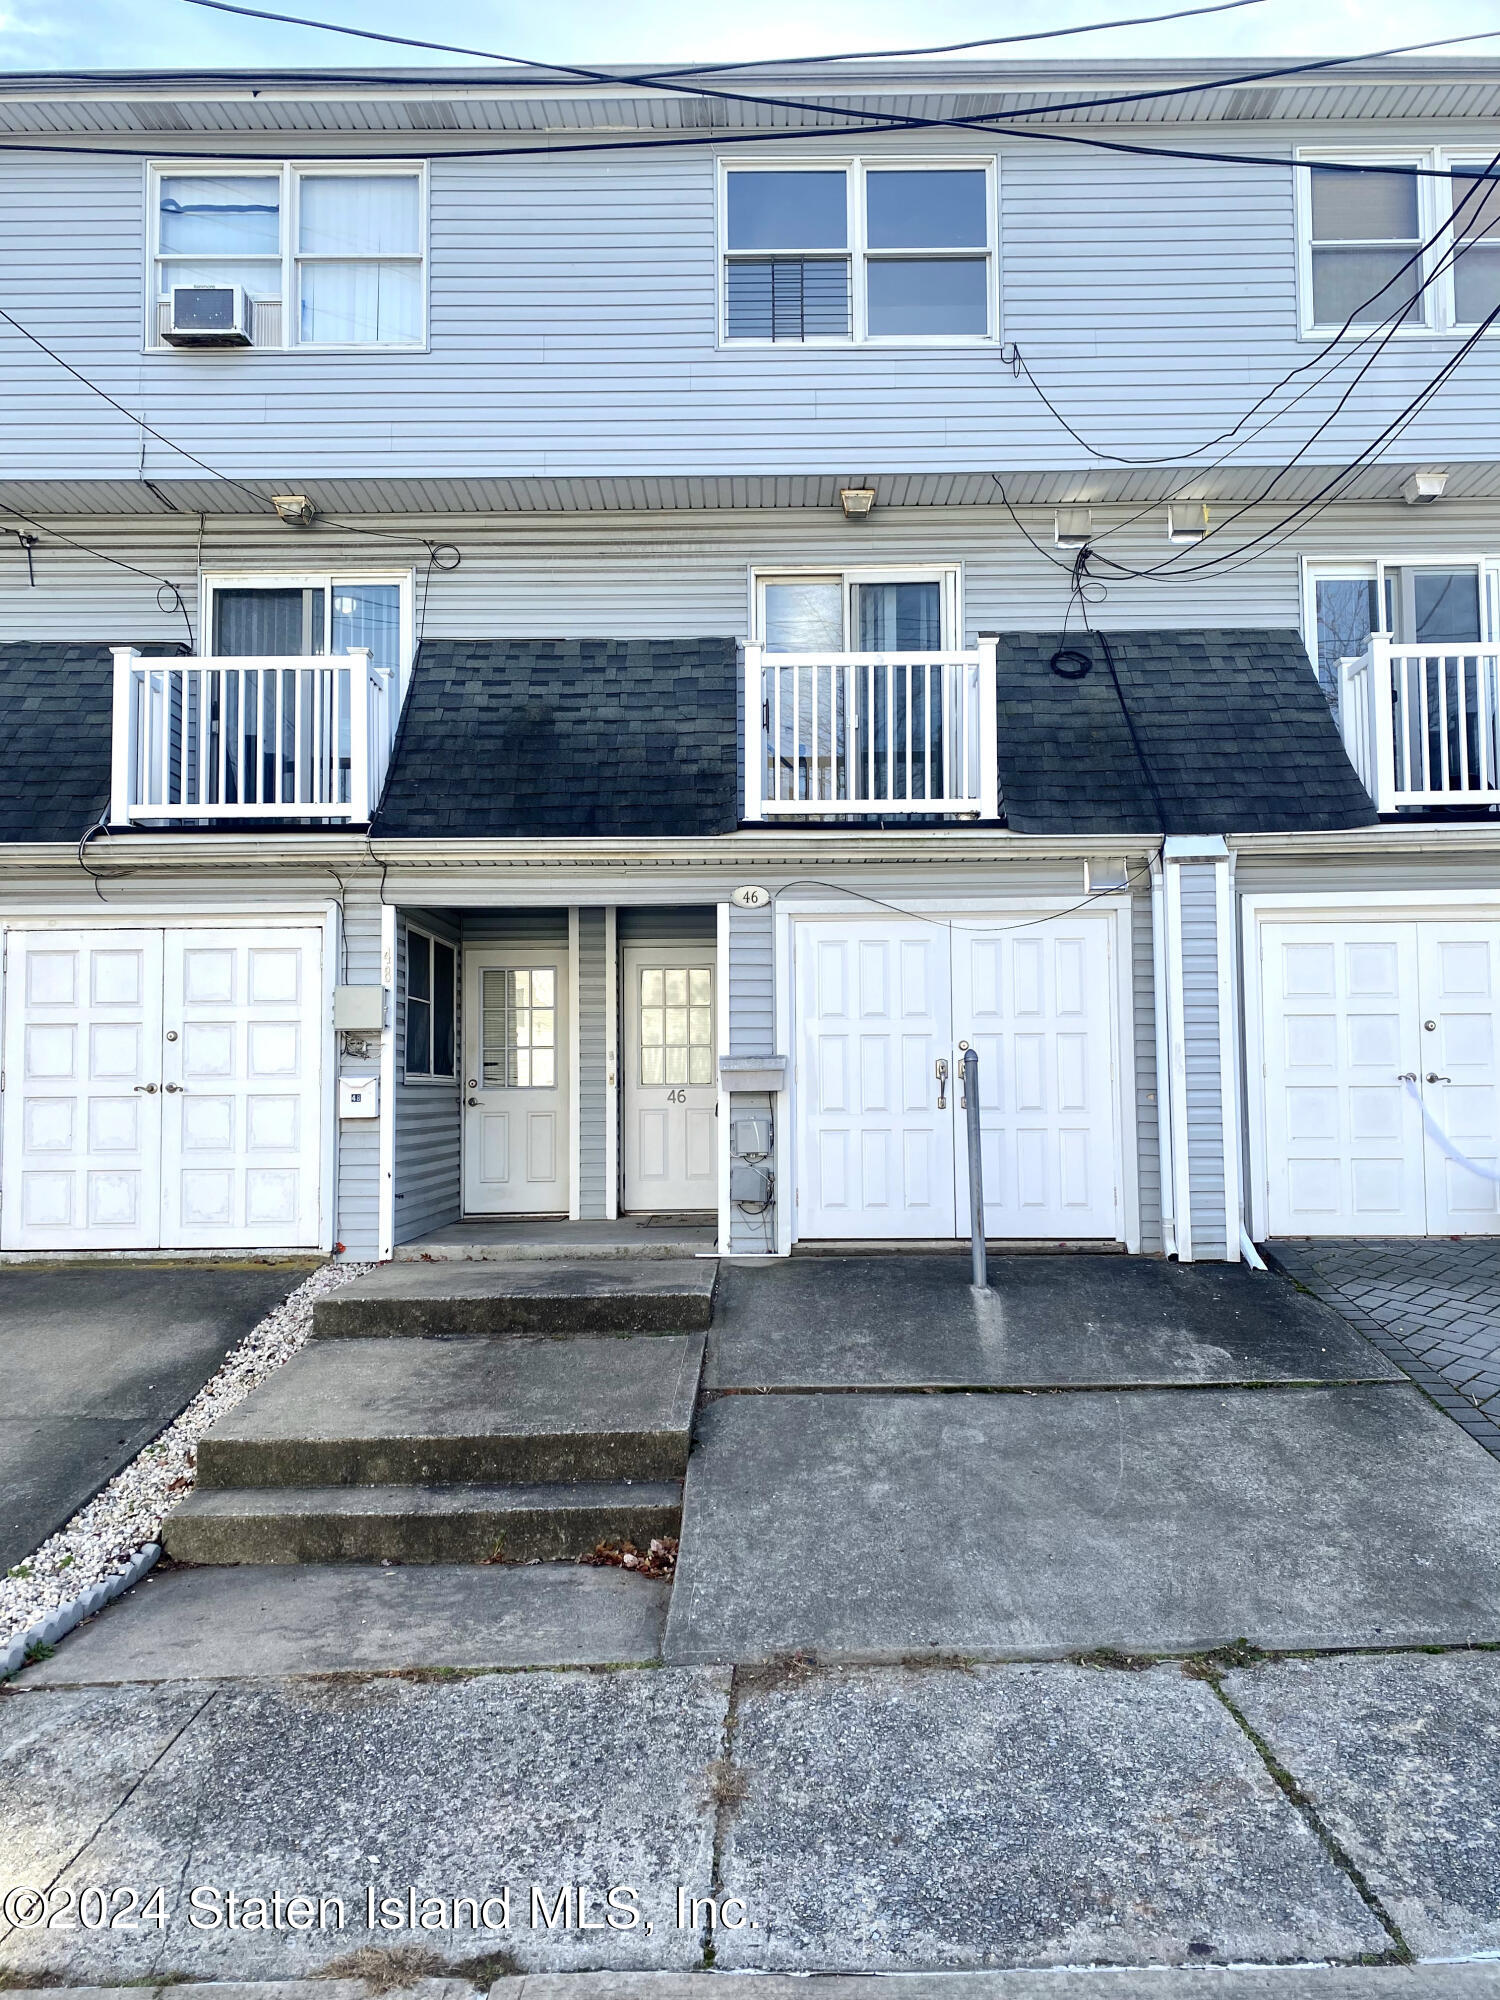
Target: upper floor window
325, 256
1411, 600
1407, 242
304, 616
857, 610
859, 252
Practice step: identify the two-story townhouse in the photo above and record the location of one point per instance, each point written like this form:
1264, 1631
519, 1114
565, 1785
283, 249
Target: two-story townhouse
567, 647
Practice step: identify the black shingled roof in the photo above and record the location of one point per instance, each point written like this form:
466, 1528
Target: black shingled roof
552, 737
55, 709
1233, 724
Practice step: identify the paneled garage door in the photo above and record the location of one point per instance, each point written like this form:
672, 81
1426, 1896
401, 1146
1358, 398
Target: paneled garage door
1352, 1011
883, 1007
163, 1089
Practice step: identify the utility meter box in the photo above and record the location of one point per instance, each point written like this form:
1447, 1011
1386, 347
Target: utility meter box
359, 1010
359, 1097
750, 1135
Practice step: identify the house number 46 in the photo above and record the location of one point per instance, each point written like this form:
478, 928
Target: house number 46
677, 1097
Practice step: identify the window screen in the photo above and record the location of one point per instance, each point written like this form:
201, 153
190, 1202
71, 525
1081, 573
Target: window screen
1366, 245
431, 1006
1476, 226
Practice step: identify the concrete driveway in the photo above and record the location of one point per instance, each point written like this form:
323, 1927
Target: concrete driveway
95, 1360
1094, 1453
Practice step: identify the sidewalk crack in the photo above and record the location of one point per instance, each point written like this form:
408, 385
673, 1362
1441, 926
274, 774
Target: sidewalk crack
1400, 1952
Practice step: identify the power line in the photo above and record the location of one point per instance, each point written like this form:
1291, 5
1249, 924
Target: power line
150, 429
175, 602
663, 78
1333, 344
951, 48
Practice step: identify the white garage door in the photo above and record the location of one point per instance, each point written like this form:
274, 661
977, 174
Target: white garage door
1352, 1011
881, 1140
162, 1089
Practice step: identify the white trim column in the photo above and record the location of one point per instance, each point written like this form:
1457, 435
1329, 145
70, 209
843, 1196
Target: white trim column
611, 1063
575, 1073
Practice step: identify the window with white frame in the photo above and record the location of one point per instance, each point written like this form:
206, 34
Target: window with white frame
857, 610
298, 616
326, 256
1405, 242
859, 252
431, 1006
1411, 599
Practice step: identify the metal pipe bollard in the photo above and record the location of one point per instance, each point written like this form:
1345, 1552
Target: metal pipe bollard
976, 1167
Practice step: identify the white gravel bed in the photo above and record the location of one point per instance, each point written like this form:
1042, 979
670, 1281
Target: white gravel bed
103, 1537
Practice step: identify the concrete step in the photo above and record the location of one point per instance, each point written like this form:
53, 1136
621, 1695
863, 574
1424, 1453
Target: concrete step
550, 1295
512, 1411
418, 1524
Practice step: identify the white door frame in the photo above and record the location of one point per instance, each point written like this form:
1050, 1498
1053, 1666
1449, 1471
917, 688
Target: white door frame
1020, 909
1318, 907
321, 913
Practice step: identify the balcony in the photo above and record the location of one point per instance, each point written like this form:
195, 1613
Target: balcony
870, 735
249, 739
1421, 724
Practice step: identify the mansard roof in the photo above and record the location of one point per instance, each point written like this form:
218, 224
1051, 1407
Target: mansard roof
1231, 725
569, 738
560, 737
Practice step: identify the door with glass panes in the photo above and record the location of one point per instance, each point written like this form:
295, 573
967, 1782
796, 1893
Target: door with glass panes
515, 1029
671, 1078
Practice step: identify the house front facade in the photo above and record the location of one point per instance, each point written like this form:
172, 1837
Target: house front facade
568, 647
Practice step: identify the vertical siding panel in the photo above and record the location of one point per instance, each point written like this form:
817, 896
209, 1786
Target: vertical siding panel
1205, 1103
358, 1140
752, 983
1143, 1031
593, 1098
427, 1113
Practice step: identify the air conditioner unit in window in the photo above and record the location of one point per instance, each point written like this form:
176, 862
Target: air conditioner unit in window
208, 316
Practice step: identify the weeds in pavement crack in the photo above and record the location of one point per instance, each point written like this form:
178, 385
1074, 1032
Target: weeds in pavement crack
1206, 1668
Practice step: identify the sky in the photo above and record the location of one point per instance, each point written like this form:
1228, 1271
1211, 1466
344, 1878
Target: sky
172, 34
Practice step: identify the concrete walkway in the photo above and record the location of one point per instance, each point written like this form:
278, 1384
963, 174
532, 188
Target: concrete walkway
95, 1360
1095, 1452
868, 1819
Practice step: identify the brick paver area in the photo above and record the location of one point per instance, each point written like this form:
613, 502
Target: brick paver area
1433, 1307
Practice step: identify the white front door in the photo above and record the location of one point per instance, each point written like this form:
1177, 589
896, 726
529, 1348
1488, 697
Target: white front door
1035, 1003
516, 1080
1351, 1011
163, 1089
874, 1120
83, 1054
241, 1087
671, 1079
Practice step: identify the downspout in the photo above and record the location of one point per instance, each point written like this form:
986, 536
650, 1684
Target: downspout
1160, 993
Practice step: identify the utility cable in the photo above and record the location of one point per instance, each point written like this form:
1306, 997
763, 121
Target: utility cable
174, 601
883, 120
947, 48
662, 78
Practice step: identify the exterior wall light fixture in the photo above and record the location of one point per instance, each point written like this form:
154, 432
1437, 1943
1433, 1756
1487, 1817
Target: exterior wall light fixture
1423, 488
857, 502
294, 510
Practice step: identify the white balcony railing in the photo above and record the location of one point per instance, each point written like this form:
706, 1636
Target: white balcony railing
249, 738
1422, 723
844, 735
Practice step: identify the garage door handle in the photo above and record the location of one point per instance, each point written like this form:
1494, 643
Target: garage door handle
1433, 1077
175, 1088
149, 1088
1407, 1076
